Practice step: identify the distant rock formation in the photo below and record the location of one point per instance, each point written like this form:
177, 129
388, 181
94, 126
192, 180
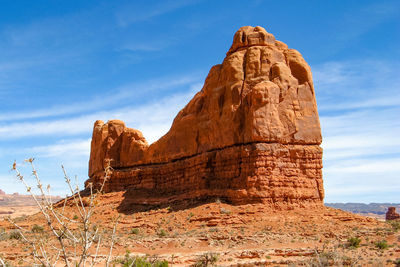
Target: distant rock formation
363, 208
2, 192
252, 134
391, 214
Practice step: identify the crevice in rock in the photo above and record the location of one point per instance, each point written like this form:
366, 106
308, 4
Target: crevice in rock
298, 71
208, 151
245, 47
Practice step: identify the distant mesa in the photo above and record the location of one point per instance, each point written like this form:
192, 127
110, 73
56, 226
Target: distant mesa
251, 135
391, 214
2, 192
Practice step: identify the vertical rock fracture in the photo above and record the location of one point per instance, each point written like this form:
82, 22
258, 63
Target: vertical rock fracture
252, 134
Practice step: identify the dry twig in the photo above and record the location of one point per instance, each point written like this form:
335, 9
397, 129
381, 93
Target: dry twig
74, 248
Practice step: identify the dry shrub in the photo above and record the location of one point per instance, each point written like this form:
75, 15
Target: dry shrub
75, 241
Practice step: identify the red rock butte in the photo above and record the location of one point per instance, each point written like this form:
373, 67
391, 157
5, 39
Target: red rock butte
252, 134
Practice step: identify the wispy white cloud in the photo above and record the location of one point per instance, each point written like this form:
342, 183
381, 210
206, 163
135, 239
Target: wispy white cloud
63, 127
64, 148
363, 189
362, 180
351, 186
59, 46
10, 184
361, 150
356, 146
114, 97
146, 47
387, 101
140, 11
353, 24
368, 122
365, 166
359, 105
156, 119
15, 65
361, 192
345, 141
360, 83
153, 119
356, 85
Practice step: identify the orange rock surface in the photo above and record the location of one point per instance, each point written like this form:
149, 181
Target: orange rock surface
252, 134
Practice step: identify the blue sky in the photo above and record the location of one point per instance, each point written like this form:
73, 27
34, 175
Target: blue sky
65, 64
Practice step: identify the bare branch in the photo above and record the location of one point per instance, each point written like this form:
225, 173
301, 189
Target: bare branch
73, 246
112, 241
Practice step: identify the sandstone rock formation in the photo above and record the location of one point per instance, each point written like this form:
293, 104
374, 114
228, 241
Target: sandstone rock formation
252, 134
391, 214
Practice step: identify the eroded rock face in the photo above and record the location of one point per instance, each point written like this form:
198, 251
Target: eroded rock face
391, 214
116, 143
252, 134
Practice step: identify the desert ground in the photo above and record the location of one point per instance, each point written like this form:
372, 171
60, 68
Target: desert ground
219, 234
16, 205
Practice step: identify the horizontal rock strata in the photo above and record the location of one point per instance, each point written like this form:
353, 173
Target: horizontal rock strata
259, 172
252, 134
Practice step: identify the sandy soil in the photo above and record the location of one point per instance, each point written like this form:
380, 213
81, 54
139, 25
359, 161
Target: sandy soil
15, 205
246, 235
18, 211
